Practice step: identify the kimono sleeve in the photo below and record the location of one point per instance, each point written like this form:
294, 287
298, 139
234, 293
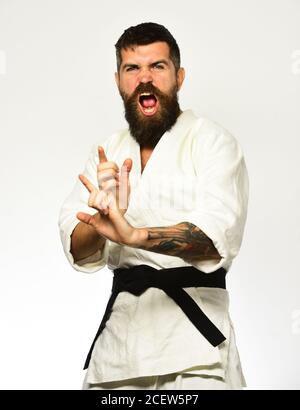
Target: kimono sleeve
221, 187
77, 201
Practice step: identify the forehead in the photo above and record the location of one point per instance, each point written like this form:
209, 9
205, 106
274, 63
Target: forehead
145, 54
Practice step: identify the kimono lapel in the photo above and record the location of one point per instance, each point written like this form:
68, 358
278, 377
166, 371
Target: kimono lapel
150, 189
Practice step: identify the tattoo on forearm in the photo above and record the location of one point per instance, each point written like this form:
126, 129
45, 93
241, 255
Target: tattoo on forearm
184, 240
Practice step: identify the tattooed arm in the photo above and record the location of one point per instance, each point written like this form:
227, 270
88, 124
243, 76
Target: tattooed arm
184, 240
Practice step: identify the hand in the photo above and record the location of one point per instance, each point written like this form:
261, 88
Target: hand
109, 182
110, 199
112, 226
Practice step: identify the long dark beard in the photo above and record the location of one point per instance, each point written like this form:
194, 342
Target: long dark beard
147, 131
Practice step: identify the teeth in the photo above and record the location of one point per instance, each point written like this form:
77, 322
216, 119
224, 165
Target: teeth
145, 94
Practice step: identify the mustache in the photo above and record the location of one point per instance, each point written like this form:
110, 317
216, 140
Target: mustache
146, 88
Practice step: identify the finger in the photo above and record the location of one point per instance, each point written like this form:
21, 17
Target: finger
100, 202
97, 201
128, 163
86, 218
125, 170
110, 185
87, 183
124, 184
107, 165
105, 211
101, 154
107, 175
105, 204
111, 201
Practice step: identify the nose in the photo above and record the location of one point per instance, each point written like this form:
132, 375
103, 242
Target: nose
145, 75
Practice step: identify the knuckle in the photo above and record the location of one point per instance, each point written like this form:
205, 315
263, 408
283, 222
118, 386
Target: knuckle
109, 185
106, 176
114, 165
107, 165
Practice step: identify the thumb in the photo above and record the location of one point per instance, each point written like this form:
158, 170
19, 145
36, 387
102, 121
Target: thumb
85, 218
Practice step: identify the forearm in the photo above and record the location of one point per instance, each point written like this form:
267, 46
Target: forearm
85, 241
184, 240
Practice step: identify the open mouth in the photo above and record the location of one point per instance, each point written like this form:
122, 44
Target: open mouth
148, 103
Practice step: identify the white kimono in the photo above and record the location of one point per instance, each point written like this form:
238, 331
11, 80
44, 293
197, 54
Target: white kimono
197, 174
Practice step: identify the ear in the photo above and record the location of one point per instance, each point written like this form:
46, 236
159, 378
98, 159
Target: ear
180, 77
117, 79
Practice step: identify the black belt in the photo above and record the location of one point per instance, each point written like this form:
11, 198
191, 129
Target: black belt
139, 278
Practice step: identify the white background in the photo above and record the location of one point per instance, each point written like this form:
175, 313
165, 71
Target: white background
58, 97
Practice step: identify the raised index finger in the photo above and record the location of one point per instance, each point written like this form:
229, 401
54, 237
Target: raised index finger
87, 183
101, 154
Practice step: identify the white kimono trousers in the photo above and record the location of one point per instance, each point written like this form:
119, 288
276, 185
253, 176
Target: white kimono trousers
197, 174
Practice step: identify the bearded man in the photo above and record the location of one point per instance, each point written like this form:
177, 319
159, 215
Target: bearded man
163, 205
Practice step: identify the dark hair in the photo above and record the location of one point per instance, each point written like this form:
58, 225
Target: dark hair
147, 33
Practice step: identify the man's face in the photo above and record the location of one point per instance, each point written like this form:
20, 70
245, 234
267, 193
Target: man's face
148, 85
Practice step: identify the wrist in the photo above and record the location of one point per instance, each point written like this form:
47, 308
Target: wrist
139, 238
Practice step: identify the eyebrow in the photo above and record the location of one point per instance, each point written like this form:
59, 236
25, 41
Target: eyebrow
151, 65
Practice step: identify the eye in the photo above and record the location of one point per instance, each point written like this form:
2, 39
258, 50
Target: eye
131, 68
159, 66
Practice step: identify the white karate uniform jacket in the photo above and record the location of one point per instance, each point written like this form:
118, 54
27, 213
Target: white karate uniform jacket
196, 173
